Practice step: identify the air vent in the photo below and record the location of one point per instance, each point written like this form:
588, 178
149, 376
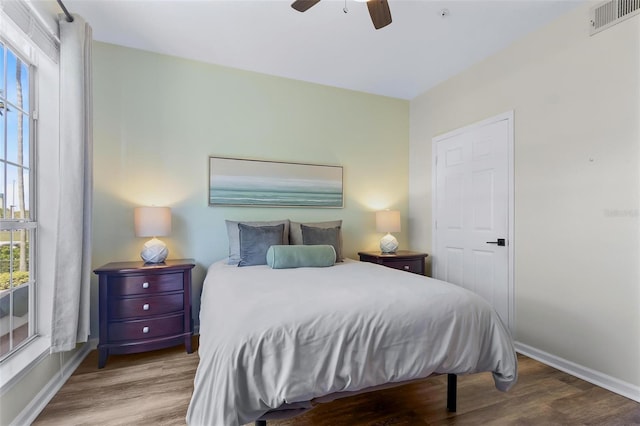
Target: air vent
611, 12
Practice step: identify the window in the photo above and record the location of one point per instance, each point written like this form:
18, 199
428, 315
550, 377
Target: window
17, 224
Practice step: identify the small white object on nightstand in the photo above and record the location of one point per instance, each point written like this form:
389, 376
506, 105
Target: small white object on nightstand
153, 222
388, 221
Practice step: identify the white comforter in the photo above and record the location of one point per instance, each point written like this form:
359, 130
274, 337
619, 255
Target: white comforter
270, 337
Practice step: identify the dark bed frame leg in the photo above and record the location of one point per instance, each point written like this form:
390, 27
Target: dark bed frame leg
452, 396
452, 392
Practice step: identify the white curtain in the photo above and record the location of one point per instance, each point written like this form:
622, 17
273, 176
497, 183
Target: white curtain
73, 252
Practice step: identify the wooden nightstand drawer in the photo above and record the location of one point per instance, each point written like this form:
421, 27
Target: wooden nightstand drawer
403, 260
147, 306
145, 284
145, 329
410, 265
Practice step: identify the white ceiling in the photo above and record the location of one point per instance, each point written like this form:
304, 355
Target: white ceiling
419, 49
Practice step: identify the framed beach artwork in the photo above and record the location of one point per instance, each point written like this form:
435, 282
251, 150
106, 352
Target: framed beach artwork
240, 182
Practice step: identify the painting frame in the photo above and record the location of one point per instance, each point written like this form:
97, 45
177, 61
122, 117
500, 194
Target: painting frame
242, 182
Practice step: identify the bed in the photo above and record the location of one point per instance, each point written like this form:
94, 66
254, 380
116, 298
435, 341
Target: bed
279, 341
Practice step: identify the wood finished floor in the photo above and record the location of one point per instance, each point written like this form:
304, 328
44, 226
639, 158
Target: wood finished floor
154, 389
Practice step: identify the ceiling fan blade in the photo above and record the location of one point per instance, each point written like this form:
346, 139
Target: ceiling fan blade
303, 5
380, 13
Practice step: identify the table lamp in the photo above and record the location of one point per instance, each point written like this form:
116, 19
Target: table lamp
388, 221
153, 222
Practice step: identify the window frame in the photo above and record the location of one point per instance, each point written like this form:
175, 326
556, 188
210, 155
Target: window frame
30, 224
46, 153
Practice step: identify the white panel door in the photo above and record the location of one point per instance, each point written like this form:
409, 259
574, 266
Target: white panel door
472, 211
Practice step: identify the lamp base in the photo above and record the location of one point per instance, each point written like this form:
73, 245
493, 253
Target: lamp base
154, 251
388, 244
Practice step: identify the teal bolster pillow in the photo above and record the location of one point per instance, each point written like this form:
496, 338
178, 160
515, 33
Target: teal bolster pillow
283, 257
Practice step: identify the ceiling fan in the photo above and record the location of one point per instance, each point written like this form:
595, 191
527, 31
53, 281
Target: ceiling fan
378, 9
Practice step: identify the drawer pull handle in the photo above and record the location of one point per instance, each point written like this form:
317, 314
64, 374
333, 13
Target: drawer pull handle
145, 329
406, 267
145, 307
145, 285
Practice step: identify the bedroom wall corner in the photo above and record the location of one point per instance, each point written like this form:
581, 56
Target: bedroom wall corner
23, 400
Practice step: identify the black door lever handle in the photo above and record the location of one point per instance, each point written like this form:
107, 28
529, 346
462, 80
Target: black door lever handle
500, 242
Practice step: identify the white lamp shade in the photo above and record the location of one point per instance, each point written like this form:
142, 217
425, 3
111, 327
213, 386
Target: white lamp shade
152, 221
388, 221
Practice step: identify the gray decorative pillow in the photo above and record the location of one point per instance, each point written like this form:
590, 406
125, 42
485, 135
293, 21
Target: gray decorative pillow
255, 242
295, 233
234, 236
312, 235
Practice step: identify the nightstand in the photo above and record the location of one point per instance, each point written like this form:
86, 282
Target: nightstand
405, 260
144, 307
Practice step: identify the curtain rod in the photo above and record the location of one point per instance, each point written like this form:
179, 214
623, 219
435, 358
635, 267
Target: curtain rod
66, 12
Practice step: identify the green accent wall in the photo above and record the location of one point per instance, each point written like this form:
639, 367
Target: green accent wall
157, 119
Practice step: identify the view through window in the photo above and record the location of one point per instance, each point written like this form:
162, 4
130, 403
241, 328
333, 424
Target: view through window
17, 225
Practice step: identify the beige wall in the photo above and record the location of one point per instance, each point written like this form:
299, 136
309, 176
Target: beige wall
159, 118
577, 183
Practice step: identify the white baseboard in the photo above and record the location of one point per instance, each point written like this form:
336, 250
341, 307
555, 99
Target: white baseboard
618, 386
40, 401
